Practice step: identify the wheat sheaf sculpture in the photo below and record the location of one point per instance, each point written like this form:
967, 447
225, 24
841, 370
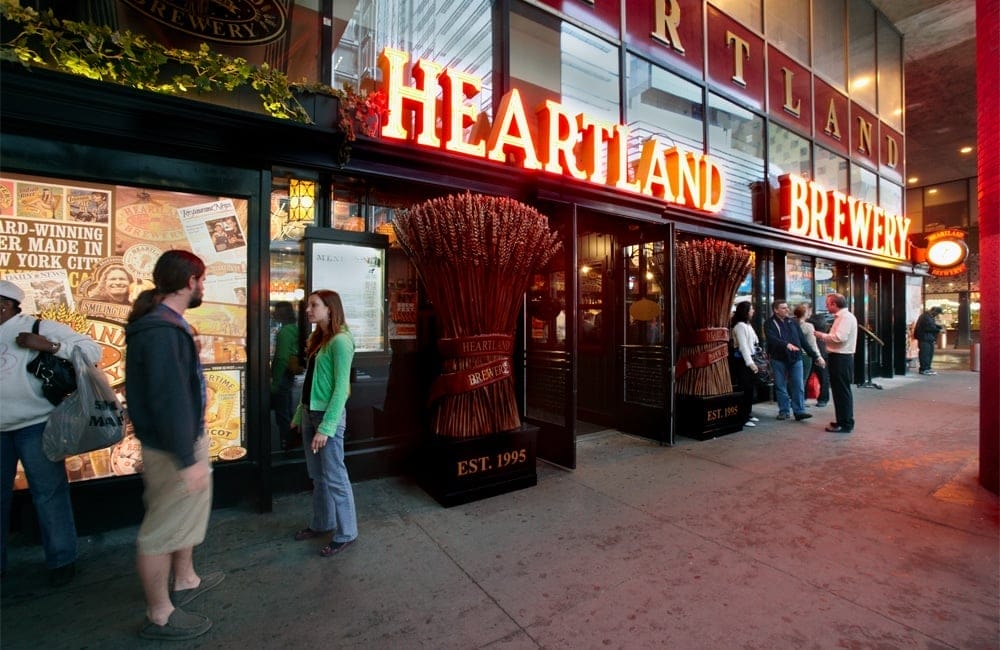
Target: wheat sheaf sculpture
475, 255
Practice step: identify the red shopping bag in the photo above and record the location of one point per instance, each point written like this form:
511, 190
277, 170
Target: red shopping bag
812, 386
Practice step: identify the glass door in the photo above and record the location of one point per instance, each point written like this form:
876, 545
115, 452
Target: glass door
549, 339
645, 354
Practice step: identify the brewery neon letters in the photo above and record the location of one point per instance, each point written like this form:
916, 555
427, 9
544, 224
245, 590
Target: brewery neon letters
567, 144
810, 211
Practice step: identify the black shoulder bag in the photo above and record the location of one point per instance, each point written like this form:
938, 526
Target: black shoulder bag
56, 374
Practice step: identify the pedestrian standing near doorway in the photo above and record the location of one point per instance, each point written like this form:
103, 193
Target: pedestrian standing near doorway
784, 347
743, 340
926, 331
322, 419
823, 372
812, 360
166, 396
841, 341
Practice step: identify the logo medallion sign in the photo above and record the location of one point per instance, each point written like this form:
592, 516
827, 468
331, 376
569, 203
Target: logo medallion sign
242, 22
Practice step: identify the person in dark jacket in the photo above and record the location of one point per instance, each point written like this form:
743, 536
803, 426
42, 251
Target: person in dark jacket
784, 346
926, 331
166, 393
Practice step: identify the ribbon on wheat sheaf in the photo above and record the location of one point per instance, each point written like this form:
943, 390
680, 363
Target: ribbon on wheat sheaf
480, 375
705, 357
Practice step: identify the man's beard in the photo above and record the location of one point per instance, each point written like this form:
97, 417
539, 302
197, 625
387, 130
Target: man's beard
195, 300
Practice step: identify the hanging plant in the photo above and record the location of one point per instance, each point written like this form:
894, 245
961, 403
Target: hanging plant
359, 112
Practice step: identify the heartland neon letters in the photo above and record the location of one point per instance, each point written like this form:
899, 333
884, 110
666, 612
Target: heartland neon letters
567, 144
810, 211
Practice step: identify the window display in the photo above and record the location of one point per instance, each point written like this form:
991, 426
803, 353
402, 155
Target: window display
83, 252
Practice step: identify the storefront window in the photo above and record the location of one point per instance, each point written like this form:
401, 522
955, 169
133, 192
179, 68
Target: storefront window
293, 207
798, 279
864, 185
744, 292
67, 241
861, 58
825, 283
546, 389
644, 297
946, 206
829, 58
788, 27
459, 33
736, 139
346, 213
745, 12
949, 304
663, 105
890, 75
555, 60
831, 171
890, 196
787, 153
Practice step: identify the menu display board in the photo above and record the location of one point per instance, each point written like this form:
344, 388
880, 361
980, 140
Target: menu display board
83, 252
357, 273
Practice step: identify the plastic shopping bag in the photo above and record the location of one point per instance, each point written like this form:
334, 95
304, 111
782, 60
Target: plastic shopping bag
91, 418
812, 386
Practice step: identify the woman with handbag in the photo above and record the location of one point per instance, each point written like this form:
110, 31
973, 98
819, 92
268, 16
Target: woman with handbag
22, 421
743, 341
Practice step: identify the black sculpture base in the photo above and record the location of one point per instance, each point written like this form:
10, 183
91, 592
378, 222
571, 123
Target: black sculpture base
703, 418
460, 470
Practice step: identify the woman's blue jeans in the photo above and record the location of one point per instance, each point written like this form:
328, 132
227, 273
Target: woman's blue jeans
49, 489
333, 497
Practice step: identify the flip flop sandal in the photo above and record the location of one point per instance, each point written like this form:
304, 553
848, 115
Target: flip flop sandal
334, 547
307, 533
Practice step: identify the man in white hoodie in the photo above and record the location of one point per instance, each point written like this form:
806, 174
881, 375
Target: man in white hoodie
23, 416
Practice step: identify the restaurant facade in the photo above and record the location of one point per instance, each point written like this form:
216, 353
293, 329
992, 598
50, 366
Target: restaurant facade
633, 125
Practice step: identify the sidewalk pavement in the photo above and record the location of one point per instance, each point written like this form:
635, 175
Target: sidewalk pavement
781, 536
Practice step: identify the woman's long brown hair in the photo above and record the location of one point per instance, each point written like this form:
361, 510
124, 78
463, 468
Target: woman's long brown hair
319, 337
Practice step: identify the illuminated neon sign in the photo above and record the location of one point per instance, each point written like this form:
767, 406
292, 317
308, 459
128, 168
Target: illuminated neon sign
806, 209
567, 144
946, 252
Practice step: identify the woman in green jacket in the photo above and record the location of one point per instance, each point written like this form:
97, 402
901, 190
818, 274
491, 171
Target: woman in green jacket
322, 419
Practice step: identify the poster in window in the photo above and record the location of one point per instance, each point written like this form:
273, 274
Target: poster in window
356, 272
83, 252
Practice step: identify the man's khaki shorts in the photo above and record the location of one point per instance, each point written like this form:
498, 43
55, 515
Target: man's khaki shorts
174, 519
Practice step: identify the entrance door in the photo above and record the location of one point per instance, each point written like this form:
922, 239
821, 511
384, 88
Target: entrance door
624, 352
645, 351
599, 283
549, 394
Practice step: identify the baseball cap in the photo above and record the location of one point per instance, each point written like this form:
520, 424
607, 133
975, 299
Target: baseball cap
10, 290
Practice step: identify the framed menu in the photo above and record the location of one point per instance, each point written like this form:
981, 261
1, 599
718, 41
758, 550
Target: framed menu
354, 267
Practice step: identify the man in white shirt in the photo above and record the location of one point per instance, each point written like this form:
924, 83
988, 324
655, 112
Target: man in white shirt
841, 341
